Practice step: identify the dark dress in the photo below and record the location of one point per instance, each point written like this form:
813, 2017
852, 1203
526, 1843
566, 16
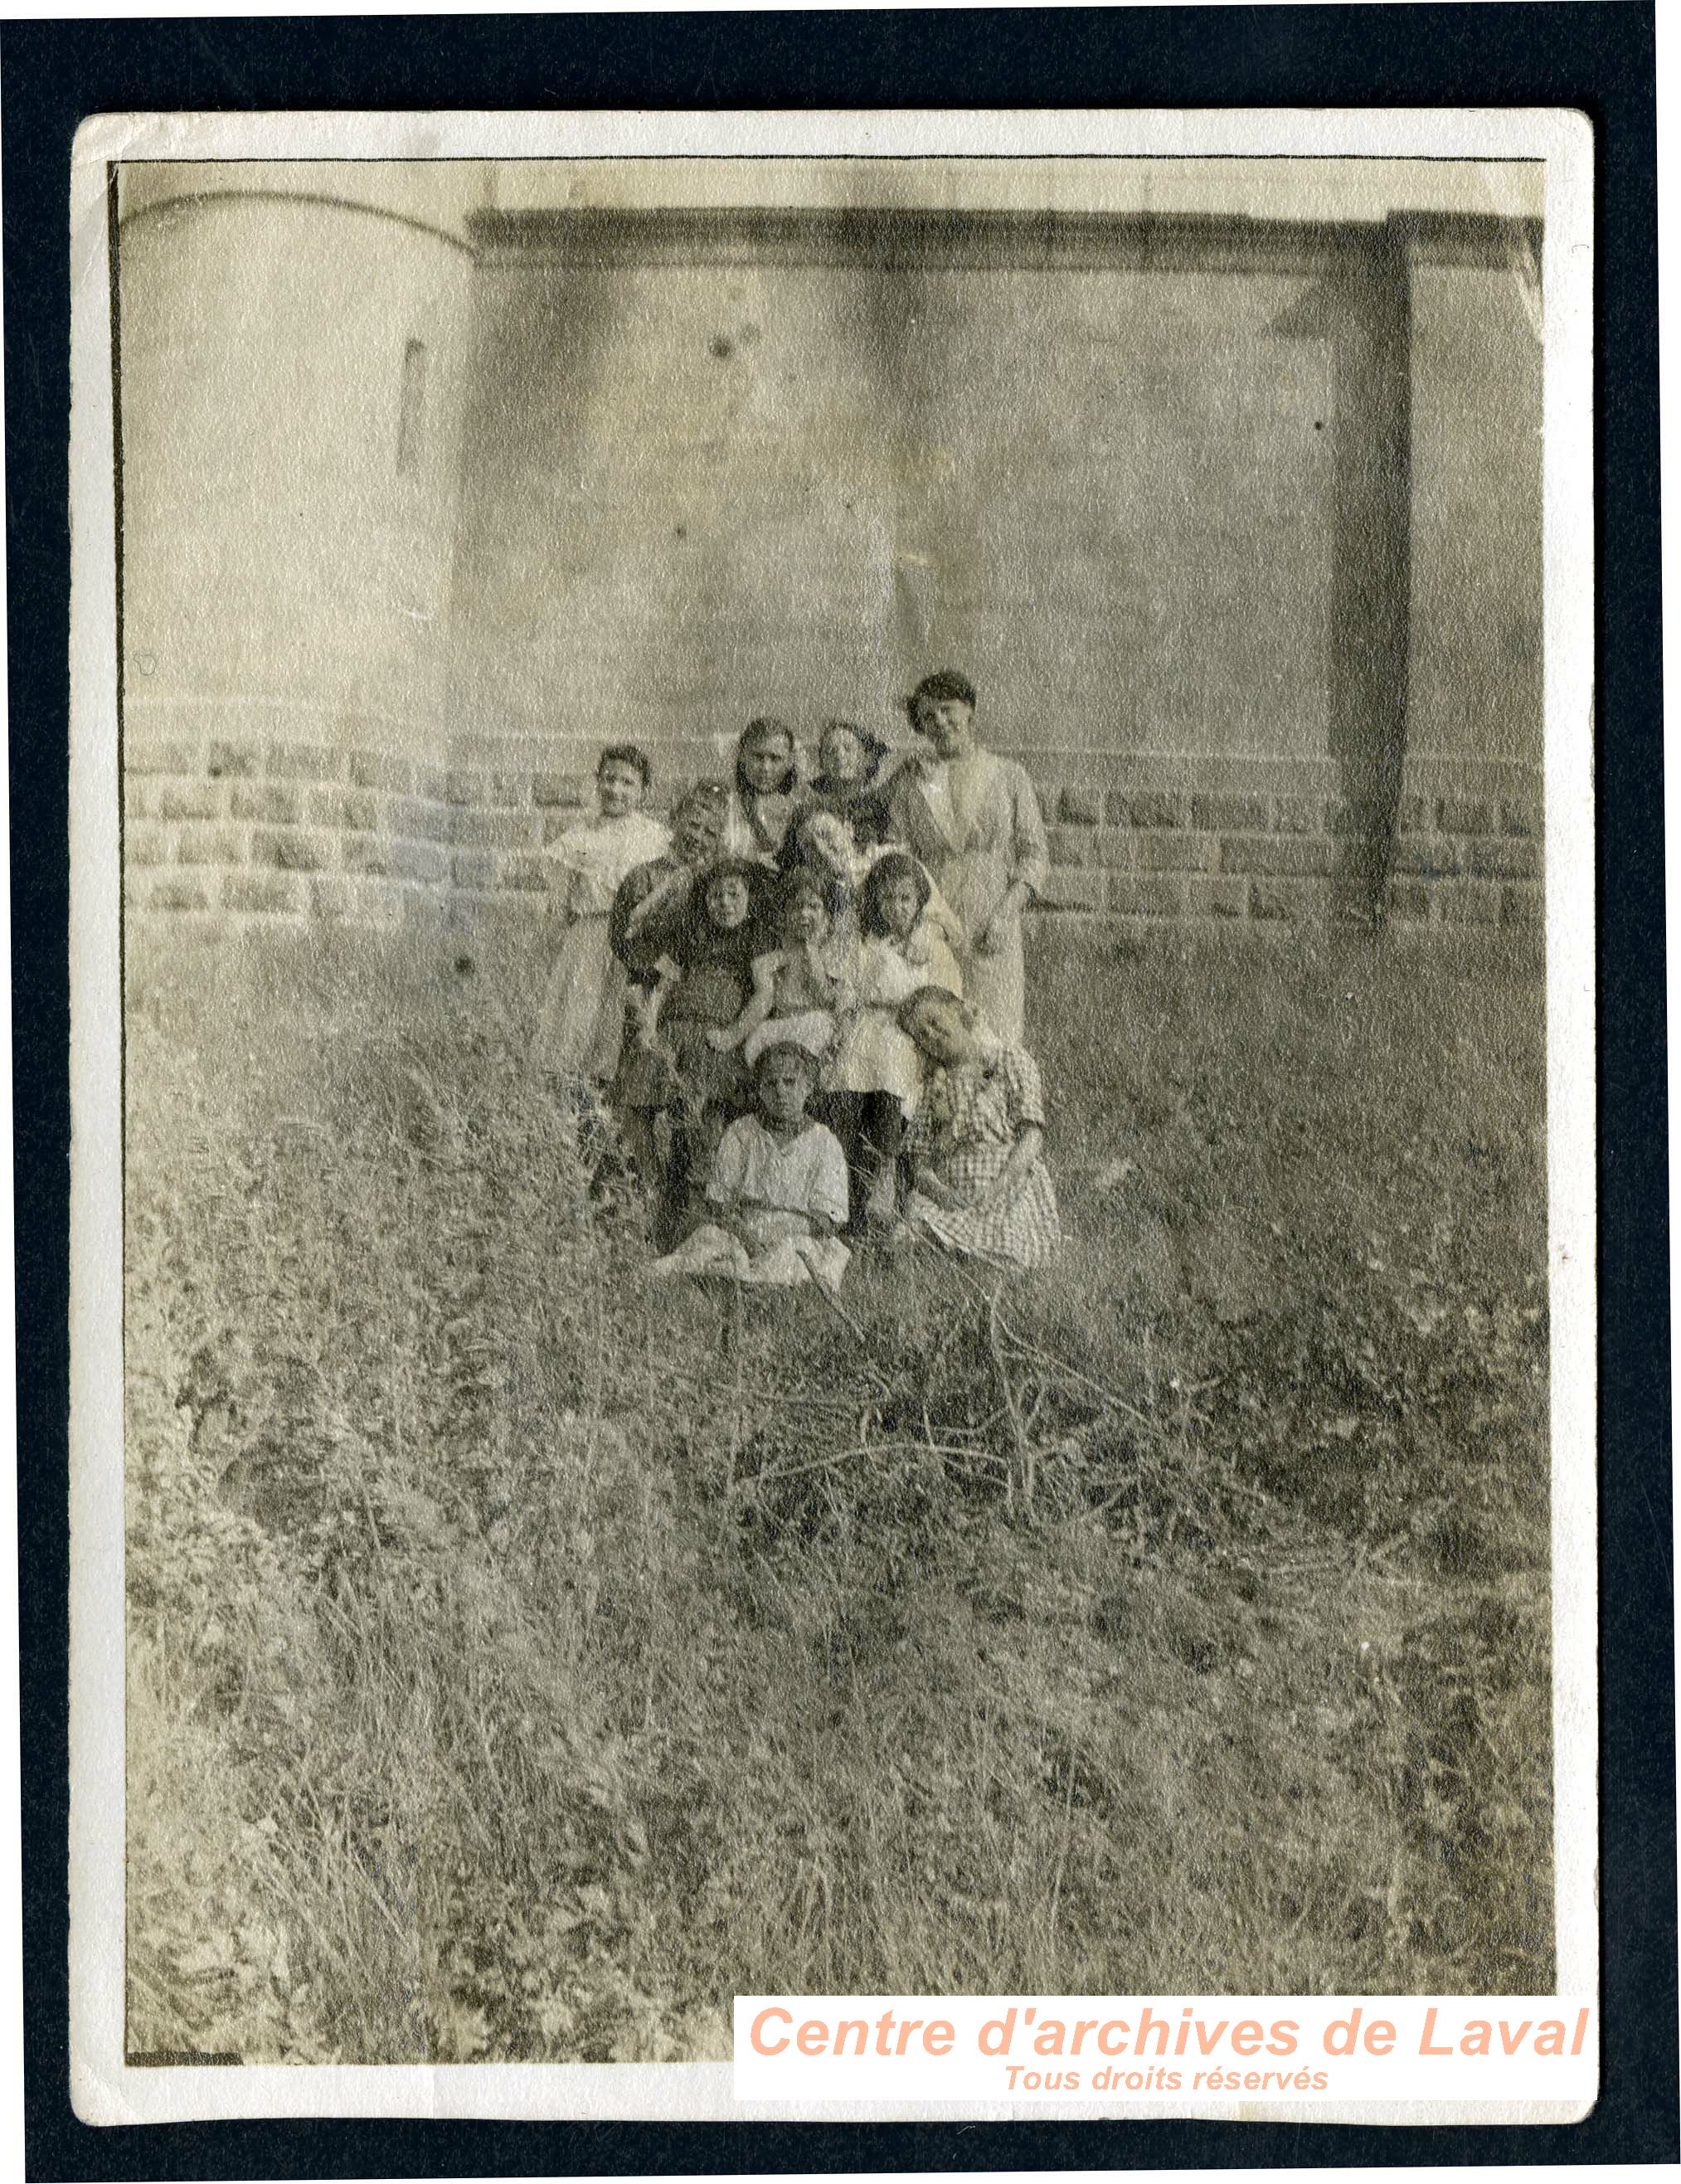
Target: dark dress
681, 1080
864, 806
659, 933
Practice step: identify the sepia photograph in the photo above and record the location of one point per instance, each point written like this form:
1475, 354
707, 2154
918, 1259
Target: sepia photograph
834, 1091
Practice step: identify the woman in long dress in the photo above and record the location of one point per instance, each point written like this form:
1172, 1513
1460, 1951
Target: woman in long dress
974, 820
581, 1024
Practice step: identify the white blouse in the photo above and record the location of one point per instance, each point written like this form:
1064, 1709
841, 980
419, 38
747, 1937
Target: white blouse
592, 859
805, 1174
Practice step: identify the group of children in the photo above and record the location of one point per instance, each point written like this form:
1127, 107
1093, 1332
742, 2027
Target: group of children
768, 996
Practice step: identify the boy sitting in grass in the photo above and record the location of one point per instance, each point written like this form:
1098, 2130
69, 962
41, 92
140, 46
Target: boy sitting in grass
777, 1194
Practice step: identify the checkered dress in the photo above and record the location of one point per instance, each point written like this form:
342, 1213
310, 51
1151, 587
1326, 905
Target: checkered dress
965, 1129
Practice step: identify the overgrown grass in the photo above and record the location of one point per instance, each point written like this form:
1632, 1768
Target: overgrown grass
523, 1661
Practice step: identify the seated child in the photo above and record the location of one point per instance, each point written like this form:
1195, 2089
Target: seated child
876, 1077
776, 1196
904, 914
645, 929
805, 985
653, 899
823, 843
978, 1184
700, 986
820, 844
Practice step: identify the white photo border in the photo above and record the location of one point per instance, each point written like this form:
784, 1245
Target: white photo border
104, 2089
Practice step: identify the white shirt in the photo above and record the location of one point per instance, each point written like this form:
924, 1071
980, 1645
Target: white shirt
802, 1174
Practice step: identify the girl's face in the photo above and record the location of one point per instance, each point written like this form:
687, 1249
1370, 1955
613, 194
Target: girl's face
696, 833
843, 755
899, 900
764, 763
784, 1083
806, 920
726, 901
829, 837
944, 1033
618, 788
949, 723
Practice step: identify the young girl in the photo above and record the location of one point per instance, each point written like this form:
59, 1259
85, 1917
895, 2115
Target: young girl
766, 792
653, 897
979, 1185
852, 766
648, 921
582, 1023
697, 1085
776, 1196
877, 1076
902, 913
820, 844
805, 985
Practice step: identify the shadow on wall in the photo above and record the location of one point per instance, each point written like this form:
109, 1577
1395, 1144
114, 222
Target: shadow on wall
1362, 314
1152, 485
539, 378
895, 320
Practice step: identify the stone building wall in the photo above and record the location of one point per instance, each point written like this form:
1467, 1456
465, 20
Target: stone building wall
224, 832
419, 507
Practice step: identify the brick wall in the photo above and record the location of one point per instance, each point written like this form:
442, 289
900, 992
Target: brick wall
1288, 844
291, 830
236, 831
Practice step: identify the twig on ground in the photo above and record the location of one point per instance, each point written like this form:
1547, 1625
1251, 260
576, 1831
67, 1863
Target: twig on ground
1105, 1395
857, 1334
866, 1448
1024, 1448
768, 1395
1062, 1853
732, 1348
